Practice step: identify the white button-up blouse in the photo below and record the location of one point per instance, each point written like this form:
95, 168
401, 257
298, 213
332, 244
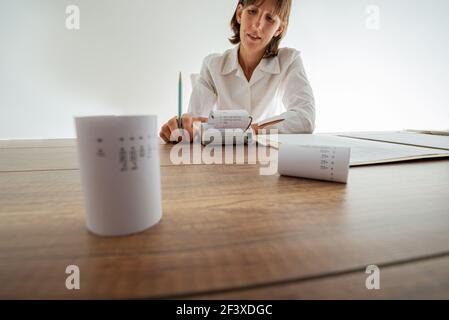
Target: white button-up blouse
278, 87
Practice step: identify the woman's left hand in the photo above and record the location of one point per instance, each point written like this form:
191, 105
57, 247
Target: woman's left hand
255, 128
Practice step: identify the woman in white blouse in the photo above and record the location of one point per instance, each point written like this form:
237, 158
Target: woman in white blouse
254, 75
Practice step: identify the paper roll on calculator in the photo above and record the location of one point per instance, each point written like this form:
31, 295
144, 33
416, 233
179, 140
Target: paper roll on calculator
314, 162
227, 127
230, 119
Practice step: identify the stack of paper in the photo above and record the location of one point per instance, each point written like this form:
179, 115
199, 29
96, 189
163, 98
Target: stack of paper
404, 137
363, 152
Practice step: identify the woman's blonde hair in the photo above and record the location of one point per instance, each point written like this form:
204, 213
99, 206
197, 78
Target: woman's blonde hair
282, 9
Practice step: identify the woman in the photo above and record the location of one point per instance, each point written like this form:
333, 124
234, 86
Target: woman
255, 75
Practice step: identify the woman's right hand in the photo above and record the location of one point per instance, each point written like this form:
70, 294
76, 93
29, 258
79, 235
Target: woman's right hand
172, 125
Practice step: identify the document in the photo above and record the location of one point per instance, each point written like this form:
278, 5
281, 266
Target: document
436, 132
404, 137
363, 152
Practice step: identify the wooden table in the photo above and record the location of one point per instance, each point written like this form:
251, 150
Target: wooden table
227, 232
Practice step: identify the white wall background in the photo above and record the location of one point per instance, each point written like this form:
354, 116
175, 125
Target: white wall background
126, 57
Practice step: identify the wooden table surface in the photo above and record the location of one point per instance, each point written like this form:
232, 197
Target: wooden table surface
226, 232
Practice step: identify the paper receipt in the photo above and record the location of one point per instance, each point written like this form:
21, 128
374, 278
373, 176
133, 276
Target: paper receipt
314, 162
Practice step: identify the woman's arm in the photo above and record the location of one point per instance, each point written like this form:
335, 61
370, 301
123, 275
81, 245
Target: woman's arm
298, 100
204, 93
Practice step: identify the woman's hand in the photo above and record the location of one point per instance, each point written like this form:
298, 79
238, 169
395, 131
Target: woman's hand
172, 125
256, 127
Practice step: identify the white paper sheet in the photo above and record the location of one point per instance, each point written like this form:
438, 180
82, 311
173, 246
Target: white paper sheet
403, 137
314, 162
362, 151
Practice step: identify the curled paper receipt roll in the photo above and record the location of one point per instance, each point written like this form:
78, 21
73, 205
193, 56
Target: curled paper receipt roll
314, 162
120, 173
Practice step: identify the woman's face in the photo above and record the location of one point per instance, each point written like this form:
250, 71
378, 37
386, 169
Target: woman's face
258, 25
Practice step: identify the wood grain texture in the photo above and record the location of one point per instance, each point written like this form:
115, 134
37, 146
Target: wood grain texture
37, 143
427, 279
224, 227
44, 158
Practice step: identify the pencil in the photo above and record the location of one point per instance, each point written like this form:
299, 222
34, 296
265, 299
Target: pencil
180, 101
